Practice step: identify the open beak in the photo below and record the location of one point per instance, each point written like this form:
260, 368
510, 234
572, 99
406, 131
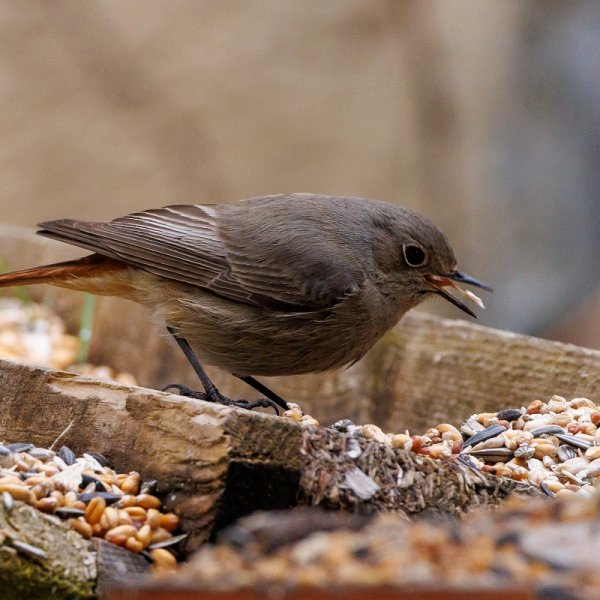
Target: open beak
440, 283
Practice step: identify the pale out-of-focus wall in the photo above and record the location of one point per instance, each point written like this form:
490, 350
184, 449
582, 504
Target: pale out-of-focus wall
469, 111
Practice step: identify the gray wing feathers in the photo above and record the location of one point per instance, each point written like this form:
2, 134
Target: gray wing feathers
188, 244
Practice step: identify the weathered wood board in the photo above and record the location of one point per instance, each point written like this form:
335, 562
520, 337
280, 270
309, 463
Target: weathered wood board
426, 371
217, 463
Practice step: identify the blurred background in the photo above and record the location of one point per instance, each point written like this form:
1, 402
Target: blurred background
485, 116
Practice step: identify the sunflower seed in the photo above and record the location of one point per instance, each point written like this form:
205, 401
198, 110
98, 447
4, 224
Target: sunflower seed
67, 455
509, 414
566, 452
574, 441
40, 453
486, 434
493, 454
67, 513
549, 430
108, 497
19, 447
88, 480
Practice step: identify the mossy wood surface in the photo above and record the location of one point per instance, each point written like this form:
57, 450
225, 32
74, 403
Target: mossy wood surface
68, 572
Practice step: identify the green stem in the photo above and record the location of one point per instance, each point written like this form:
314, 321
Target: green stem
19, 291
85, 326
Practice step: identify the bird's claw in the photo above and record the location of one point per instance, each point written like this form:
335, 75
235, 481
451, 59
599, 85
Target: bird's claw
185, 391
216, 396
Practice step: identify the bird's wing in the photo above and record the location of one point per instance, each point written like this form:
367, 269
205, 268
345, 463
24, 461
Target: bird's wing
201, 245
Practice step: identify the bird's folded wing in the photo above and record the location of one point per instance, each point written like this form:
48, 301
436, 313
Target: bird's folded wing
194, 244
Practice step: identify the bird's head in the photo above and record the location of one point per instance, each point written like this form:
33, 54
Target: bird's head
418, 261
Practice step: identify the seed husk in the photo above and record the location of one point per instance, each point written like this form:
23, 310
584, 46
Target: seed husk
40, 453
29, 550
100, 458
467, 460
167, 543
149, 486
544, 487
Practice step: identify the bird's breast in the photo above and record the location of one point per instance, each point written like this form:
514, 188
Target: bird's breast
250, 340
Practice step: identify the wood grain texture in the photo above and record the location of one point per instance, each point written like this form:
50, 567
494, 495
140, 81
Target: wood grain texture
216, 463
444, 370
185, 444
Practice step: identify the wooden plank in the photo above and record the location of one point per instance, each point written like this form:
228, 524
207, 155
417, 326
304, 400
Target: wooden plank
216, 463
185, 444
439, 370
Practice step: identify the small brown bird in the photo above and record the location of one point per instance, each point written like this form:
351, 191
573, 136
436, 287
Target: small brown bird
273, 285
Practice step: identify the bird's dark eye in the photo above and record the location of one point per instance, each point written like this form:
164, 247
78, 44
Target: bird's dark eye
414, 255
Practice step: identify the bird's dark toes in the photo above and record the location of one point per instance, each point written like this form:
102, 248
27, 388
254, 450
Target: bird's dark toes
214, 395
185, 391
261, 403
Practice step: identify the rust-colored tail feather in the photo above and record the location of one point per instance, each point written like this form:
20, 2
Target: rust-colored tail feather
45, 273
64, 273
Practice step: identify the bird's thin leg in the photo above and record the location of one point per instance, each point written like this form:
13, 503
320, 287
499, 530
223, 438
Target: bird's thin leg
209, 387
211, 393
263, 389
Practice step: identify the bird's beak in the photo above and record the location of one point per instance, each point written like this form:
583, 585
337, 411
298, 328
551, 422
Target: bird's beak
440, 283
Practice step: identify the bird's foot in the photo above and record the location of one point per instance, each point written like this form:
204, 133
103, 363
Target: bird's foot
214, 395
185, 391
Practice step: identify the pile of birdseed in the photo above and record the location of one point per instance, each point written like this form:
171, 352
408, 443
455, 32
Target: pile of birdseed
554, 445
91, 497
549, 547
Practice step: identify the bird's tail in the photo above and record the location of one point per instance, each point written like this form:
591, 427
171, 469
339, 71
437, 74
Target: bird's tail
80, 274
